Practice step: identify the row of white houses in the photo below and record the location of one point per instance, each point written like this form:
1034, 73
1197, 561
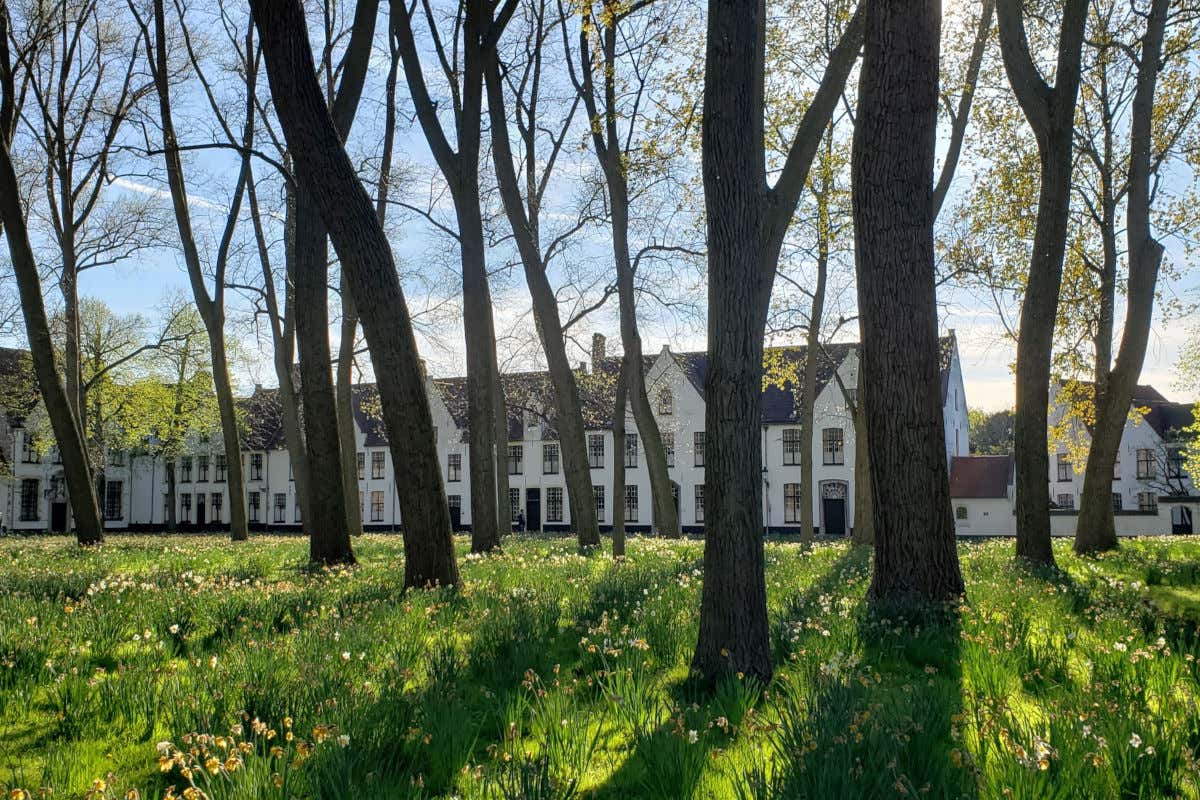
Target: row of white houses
33, 497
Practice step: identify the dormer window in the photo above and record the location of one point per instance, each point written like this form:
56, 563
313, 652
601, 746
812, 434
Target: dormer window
666, 402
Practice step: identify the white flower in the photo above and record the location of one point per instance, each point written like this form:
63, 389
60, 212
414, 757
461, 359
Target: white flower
693, 737
173, 629
344, 740
1120, 646
345, 655
1135, 741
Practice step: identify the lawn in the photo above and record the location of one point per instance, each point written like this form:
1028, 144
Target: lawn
168, 666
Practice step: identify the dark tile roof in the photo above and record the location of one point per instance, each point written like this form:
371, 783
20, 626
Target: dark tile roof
1166, 418
980, 476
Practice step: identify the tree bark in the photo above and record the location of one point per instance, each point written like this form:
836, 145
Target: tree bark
172, 522
618, 430
504, 518
864, 497
916, 557
366, 256
1051, 114
1095, 529
808, 396
68, 433
345, 411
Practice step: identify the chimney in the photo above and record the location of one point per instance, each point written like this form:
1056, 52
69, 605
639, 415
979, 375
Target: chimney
597, 350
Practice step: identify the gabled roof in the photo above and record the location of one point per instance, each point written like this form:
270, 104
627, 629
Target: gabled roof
981, 477
1167, 419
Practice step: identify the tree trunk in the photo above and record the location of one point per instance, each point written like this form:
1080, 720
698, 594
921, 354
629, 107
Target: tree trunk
916, 555
1095, 529
172, 520
618, 430
1051, 114
734, 632
345, 411
239, 528
504, 516
328, 531
864, 497
366, 257
68, 433
808, 400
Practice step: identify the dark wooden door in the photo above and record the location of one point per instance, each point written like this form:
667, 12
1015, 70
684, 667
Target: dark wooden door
533, 509
835, 516
200, 513
58, 517
455, 512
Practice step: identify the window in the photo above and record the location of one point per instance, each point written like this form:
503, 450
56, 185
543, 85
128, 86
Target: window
377, 463
454, 503
1065, 472
221, 468
29, 452
166, 505
256, 466
961, 513
1117, 467
216, 501
700, 503
698, 448
1117, 501
550, 459
596, 450
666, 402
1148, 501
554, 504
114, 493
376, 506
454, 467
514, 502
516, 459
598, 493
791, 447
1145, 464
1066, 501
254, 506
296, 516
1175, 463
185, 508
831, 446
29, 499
360, 460
185, 469
280, 507
668, 440
791, 502
202, 468
116, 458
631, 450
631, 502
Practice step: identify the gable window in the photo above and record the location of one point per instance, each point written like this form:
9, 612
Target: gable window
700, 502
114, 493
280, 507
550, 458
791, 502
598, 493
185, 469
256, 466
1117, 501
596, 450
1145, 463
1065, 473
376, 506
832, 446
1066, 501
221, 468
360, 463
516, 459
1175, 463
961, 513
666, 402
29, 499
1148, 501
29, 453
254, 506
631, 503
668, 440
453, 467
698, 448
377, 462
631, 450
116, 458
791, 447
216, 501
185, 507
202, 468
554, 504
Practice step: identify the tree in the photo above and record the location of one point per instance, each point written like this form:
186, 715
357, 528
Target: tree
1050, 112
746, 223
525, 81
916, 555
991, 433
365, 255
460, 168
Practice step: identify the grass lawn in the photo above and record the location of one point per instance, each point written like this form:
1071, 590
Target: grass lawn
156, 666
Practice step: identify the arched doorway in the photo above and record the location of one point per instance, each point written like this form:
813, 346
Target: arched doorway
833, 507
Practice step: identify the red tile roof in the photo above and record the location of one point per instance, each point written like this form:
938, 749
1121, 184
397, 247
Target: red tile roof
980, 476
